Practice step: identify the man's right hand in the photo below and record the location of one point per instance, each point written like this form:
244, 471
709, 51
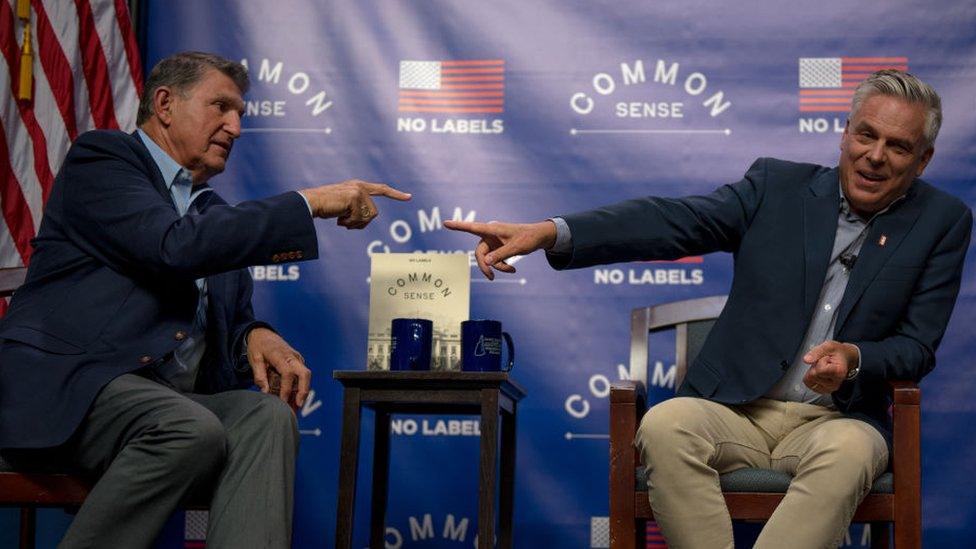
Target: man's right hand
350, 202
500, 241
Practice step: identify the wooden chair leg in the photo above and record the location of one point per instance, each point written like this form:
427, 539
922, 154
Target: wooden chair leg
624, 529
28, 526
640, 533
880, 539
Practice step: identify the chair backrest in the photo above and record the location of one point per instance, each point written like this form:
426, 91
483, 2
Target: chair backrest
691, 319
11, 279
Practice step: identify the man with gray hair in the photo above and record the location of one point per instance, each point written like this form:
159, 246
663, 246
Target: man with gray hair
125, 351
844, 278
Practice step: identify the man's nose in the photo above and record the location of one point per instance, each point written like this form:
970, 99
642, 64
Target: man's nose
232, 124
876, 154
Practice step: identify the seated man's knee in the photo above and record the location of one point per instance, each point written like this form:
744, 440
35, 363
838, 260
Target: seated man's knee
277, 417
851, 448
665, 425
189, 442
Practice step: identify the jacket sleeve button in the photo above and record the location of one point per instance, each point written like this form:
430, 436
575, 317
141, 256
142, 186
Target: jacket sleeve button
180, 335
784, 365
145, 359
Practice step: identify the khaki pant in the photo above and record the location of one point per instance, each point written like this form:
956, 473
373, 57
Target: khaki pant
686, 443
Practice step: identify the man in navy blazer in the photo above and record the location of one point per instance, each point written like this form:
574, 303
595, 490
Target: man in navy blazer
121, 352
844, 278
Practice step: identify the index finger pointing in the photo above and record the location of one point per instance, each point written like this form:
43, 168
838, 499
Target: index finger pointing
382, 189
474, 227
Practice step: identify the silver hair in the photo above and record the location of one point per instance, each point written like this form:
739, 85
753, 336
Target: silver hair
900, 84
182, 71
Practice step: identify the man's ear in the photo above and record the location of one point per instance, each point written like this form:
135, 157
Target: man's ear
163, 99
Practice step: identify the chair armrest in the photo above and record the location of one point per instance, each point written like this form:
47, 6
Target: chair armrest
905, 392
625, 391
906, 459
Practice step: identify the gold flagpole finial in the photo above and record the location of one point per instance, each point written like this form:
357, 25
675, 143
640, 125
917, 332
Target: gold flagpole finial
23, 9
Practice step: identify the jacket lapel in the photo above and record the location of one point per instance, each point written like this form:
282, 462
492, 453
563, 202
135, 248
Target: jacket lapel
820, 210
884, 236
155, 176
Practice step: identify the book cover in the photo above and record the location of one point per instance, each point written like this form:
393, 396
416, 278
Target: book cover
432, 286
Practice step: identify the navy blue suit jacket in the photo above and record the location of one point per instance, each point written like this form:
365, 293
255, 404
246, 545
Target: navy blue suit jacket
110, 285
779, 221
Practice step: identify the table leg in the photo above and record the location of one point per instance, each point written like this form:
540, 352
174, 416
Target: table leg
507, 496
348, 465
381, 475
486, 485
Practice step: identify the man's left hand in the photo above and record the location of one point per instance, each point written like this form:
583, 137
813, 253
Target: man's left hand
829, 364
267, 351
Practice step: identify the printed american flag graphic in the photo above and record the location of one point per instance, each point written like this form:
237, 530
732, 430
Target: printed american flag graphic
827, 83
654, 539
458, 86
67, 66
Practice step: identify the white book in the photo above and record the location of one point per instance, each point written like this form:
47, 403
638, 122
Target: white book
432, 286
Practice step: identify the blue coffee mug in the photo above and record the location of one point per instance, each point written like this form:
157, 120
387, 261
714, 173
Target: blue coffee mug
410, 347
481, 346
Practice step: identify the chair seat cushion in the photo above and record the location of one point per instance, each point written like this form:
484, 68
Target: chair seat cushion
767, 480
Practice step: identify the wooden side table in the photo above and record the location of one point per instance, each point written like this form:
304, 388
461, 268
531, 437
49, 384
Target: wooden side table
487, 393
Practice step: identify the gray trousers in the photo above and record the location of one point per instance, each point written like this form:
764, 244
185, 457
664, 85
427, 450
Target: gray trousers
153, 447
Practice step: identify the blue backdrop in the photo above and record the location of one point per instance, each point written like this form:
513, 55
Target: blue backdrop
587, 103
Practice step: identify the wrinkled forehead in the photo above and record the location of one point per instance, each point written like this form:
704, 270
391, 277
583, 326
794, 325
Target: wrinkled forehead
893, 115
217, 86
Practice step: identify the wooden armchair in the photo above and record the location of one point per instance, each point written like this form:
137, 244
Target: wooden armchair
751, 494
42, 488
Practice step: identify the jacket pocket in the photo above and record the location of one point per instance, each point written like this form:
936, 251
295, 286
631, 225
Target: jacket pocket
40, 339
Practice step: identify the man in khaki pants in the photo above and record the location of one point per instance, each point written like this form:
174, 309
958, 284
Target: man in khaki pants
844, 279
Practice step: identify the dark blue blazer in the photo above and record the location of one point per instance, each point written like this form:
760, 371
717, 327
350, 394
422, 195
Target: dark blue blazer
779, 222
111, 288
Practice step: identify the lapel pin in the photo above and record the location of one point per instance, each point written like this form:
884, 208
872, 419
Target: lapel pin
883, 240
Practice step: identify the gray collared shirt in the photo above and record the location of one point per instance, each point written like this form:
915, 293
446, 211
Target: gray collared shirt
851, 231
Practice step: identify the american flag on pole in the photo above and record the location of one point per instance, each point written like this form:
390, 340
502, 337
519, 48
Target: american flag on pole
827, 83
68, 66
460, 86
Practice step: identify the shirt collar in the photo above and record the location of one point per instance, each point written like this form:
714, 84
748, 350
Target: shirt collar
845, 206
167, 166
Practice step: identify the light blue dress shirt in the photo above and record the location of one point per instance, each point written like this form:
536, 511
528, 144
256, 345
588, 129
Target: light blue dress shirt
181, 369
